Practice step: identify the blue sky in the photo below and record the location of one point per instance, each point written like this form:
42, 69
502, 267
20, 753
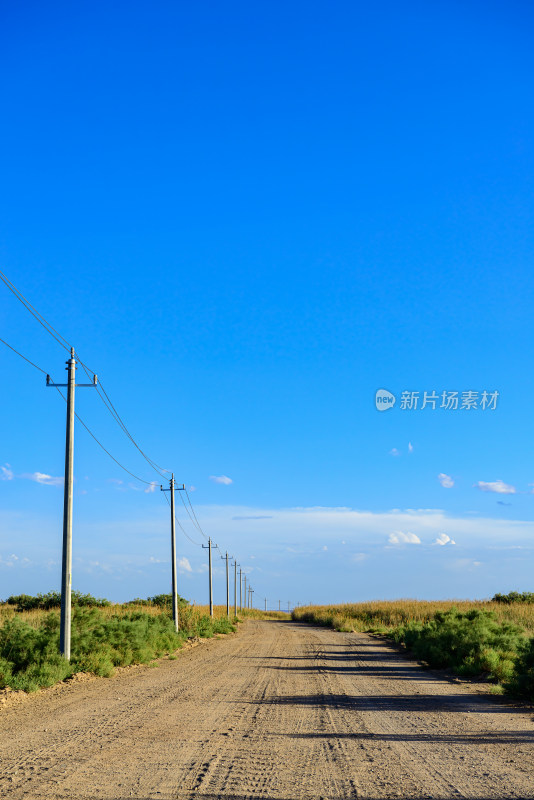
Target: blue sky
248, 218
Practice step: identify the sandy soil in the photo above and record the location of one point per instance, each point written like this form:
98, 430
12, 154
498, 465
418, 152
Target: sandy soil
281, 711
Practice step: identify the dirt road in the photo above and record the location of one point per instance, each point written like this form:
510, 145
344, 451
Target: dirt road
279, 711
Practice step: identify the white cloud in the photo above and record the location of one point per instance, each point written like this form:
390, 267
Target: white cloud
153, 560
495, 486
116, 480
443, 539
410, 447
152, 487
184, 565
358, 557
7, 473
224, 479
394, 452
445, 480
42, 478
325, 547
399, 537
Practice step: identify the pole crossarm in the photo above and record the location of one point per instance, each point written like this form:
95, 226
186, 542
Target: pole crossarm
59, 385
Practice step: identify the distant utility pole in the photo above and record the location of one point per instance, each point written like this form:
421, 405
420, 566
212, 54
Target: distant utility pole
208, 547
251, 592
279, 605
245, 589
235, 587
240, 590
66, 567
225, 557
172, 487
265, 599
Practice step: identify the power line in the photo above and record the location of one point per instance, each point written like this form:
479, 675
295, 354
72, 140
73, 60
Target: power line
182, 528
24, 357
39, 317
116, 416
193, 510
149, 483
195, 523
64, 343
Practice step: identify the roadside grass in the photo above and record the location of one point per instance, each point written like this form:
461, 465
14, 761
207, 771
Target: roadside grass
493, 639
102, 638
255, 613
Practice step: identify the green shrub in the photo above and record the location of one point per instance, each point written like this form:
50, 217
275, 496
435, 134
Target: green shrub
46, 602
521, 682
469, 642
29, 656
514, 597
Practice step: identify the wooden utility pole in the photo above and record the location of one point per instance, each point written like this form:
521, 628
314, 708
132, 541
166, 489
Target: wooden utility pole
66, 564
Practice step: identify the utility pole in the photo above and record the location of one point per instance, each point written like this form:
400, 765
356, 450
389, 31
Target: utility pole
227, 585
245, 589
235, 587
265, 599
208, 547
279, 605
172, 487
240, 590
250, 592
66, 566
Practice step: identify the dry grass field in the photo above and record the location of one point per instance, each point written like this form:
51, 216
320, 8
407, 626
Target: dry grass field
381, 615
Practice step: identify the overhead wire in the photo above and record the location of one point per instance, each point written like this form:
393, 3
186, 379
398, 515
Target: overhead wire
99, 443
39, 317
193, 510
116, 416
105, 399
196, 524
65, 344
181, 526
24, 357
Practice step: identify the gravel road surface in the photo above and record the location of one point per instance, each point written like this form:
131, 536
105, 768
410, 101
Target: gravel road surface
280, 711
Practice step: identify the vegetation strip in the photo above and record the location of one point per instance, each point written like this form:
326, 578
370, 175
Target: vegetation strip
104, 636
493, 638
